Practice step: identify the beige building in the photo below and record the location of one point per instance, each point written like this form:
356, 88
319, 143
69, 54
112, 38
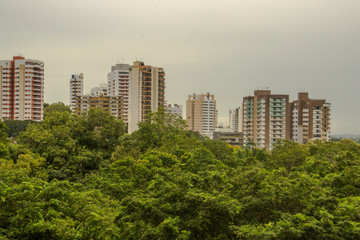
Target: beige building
146, 92
266, 118
310, 119
201, 114
22, 89
113, 104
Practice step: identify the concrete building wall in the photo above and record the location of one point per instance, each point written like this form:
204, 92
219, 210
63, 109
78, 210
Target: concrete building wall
134, 100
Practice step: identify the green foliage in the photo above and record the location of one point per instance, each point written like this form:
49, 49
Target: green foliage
17, 126
81, 177
73, 145
162, 131
55, 107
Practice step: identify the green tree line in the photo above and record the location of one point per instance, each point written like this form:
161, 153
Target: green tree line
83, 177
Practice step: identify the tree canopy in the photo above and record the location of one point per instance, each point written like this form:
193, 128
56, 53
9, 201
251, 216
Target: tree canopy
83, 177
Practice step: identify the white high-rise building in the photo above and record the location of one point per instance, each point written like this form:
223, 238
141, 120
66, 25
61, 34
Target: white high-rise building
76, 89
118, 85
174, 109
201, 113
22, 89
101, 90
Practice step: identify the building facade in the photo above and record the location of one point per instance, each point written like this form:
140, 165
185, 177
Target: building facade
266, 118
310, 119
22, 89
146, 92
235, 119
76, 89
113, 104
201, 114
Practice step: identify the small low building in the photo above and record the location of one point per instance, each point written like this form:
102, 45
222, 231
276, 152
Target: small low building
233, 138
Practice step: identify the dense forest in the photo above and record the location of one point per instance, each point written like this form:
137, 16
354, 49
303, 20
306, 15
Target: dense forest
83, 177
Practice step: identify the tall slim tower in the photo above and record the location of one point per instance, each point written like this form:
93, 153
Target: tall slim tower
235, 119
310, 119
22, 89
266, 118
146, 92
118, 85
201, 114
76, 89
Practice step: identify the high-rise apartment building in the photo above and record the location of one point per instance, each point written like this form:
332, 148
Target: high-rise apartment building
235, 119
266, 118
76, 89
310, 119
141, 87
201, 114
22, 89
119, 85
101, 90
146, 92
113, 104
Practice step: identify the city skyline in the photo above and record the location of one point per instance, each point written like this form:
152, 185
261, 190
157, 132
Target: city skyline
228, 48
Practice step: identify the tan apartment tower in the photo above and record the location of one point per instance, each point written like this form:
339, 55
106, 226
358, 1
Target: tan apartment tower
201, 114
22, 89
76, 89
146, 92
310, 119
266, 118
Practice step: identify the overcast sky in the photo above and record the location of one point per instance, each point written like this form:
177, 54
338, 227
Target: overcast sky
229, 47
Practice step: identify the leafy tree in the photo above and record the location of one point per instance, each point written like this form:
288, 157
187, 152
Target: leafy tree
55, 107
16, 126
81, 177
